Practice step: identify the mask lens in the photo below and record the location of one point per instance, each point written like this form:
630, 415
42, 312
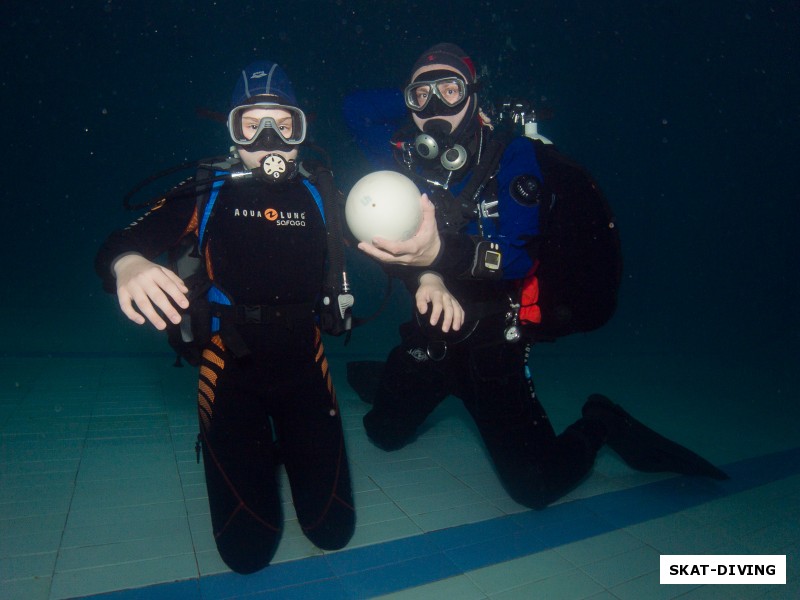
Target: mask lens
451, 91
418, 95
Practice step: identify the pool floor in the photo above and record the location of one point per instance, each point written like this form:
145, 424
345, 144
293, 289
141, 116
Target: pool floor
101, 493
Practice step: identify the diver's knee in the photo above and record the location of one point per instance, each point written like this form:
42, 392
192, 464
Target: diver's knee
533, 499
336, 531
384, 432
247, 556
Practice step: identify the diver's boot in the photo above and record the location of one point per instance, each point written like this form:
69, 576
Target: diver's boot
365, 377
642, 448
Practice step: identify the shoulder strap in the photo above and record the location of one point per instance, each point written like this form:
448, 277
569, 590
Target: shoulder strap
207, 198
205, 208
319, 182
484, 170
317, 198
337, 300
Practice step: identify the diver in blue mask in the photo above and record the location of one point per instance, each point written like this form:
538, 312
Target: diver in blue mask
266, 126
265, 394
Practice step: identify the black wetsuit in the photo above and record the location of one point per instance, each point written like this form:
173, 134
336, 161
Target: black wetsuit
266, 246
490, 375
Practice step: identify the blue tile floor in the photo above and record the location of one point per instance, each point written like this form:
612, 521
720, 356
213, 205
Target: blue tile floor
101, 494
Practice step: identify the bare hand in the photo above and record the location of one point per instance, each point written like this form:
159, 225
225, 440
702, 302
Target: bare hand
432, 291
144, 283
419, 251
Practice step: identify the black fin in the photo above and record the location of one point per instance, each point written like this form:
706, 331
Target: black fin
364, 377
642, 448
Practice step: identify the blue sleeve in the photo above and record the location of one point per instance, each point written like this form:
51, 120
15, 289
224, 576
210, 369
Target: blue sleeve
517, 224
372, 117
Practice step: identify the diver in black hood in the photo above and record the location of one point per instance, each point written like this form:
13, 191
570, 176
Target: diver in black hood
476, 243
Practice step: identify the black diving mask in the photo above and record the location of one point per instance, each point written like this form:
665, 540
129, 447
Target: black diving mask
440, 94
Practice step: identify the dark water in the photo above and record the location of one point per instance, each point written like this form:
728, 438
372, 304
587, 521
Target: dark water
687, 113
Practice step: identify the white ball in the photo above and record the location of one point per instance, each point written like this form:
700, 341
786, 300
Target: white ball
383, 204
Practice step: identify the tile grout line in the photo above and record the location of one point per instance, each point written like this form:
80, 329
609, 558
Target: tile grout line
95, 398
181, 479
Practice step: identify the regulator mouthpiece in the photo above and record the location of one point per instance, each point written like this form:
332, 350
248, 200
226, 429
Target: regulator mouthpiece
276, 168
